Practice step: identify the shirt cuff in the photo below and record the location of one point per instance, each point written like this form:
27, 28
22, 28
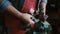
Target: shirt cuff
44, 1
5, 4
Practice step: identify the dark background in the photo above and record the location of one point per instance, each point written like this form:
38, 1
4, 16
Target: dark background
53, 11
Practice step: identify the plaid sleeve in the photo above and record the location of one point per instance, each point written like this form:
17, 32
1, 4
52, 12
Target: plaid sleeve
44, 1
4, 4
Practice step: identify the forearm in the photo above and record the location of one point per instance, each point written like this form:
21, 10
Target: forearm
14, 11
6, 5
43, 7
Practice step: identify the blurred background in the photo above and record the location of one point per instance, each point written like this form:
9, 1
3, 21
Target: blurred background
53, 11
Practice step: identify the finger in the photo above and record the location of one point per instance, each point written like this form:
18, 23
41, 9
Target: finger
31, 21
28, 15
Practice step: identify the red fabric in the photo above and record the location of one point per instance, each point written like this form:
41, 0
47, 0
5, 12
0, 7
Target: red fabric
32, 25
14, 23
28, 4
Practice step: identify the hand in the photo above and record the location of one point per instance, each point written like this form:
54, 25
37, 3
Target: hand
42, 16
27, 18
